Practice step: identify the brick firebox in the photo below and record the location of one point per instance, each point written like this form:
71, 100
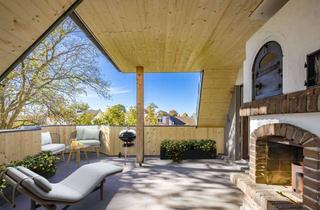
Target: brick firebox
295, 136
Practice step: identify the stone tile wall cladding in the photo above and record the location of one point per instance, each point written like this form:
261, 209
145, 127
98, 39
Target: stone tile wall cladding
298, 102
297, 136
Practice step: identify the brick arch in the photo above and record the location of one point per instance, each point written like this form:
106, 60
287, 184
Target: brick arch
289, 132
311, 151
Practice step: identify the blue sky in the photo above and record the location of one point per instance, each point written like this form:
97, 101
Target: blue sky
168, 91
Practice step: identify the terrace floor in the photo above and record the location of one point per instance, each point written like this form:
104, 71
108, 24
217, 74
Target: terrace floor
159, 184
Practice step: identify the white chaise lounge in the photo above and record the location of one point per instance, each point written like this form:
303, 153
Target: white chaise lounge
71, 190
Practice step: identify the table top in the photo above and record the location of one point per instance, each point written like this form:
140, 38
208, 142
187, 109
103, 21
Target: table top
78, 147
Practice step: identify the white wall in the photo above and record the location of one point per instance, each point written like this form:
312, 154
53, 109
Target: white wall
307, 121
296, 27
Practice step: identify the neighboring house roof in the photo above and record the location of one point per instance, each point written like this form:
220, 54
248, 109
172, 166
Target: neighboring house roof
186, 120
177, 120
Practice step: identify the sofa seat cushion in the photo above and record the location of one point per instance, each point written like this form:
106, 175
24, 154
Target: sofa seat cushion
54, 148
90, 142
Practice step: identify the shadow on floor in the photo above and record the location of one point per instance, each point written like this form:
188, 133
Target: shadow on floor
158, 185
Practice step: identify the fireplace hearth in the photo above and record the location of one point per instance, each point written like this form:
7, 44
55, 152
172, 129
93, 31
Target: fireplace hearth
284, 169
275, 161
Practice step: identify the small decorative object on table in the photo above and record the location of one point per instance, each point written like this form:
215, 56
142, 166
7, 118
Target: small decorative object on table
76, 148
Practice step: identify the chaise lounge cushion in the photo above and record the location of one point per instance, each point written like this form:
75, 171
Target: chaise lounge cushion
54, 148
73, 188
40, 181
89, 176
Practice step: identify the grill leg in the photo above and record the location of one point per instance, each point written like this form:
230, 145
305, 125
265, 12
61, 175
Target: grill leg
125, 154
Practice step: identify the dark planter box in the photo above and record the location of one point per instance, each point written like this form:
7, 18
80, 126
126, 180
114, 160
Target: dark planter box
163, 154
190, 154
197, 154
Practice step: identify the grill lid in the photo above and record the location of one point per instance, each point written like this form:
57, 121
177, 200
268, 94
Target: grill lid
127, 135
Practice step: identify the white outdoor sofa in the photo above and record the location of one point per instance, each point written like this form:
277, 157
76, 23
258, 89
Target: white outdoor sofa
48, 145
88, 135
74, 188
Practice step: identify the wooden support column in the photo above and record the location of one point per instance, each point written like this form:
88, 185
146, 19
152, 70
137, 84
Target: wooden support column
140, 115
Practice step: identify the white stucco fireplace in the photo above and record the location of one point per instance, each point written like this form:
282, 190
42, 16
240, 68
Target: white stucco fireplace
283, 113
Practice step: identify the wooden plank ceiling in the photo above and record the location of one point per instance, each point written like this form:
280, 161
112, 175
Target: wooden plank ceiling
22, 22
177, 36
161, 35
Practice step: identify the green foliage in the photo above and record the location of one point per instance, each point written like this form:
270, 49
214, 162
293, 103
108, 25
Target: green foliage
173, 113
68, 113
175, 148
131, 116
85, 119
162, 113
50, 79
114, 115
185, 115
2, 181
43, 164
151, 117
118, 115
80, 107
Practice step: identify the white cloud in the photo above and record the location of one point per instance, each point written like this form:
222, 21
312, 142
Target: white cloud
118, 91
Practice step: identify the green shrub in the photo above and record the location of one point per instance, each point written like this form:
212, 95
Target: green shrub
2, 181
175, 149
43, 164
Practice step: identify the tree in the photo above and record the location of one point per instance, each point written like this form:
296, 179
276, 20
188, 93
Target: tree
162, 113
173, 113
131, 116
185, 115
80, 107
60, 68
151, 117
85, 119
114, 115
69, 114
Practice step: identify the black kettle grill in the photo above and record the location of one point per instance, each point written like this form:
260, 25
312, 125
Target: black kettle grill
127, 136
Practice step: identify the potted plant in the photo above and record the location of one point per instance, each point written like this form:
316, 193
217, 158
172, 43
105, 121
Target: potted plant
187, 149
